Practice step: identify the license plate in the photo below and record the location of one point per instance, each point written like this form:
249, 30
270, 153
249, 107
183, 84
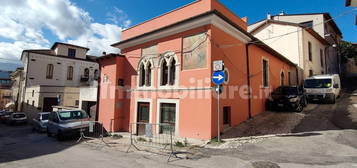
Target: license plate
281, 105
315, 99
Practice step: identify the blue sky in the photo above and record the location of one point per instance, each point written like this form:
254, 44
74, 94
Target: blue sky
32, 24
141, 10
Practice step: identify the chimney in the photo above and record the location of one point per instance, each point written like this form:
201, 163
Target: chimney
282, 13
104, 53
245, 19
269, 16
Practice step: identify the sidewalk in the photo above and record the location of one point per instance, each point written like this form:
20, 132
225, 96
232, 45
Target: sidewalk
345, 115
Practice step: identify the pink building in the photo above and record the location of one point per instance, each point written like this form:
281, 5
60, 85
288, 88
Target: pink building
163, 74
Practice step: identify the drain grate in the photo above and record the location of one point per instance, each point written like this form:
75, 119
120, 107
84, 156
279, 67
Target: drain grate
265, 164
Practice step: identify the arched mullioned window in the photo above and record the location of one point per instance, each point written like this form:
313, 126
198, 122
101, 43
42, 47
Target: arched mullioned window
148, 74
142, 75
172, 72
145, 71
168, 69
49, 71
164, 73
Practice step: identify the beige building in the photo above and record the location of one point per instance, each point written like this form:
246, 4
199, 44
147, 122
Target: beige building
17, 78
321, 23
5, 90
54, 77
303, 46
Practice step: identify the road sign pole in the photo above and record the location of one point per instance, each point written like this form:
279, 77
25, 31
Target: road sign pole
219, 115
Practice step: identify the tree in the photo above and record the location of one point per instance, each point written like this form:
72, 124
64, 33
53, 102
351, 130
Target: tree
347, 50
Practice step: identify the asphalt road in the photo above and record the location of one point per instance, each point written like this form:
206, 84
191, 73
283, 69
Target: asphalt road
20, 148
318, 142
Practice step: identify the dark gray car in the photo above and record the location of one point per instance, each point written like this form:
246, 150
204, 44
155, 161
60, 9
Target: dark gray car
63, 124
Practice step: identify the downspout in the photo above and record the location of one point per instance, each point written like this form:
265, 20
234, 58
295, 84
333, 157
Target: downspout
98, 94
297, 75
248, 80
325, 54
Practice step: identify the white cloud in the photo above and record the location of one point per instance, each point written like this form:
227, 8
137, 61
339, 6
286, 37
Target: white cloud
23, 22
119, 17
99, 38
12, 51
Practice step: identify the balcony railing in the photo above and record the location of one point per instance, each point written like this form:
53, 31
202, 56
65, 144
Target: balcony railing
84, 78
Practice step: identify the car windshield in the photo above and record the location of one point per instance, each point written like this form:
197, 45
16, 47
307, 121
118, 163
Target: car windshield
45, 116
318, 83
286, 90
71, 115
19, 115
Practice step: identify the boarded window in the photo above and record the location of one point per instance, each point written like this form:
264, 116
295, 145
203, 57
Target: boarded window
265, 73
311, 73
49, 72
289, 78
282, 79
195, 51
310, 50
69, 73
322, 58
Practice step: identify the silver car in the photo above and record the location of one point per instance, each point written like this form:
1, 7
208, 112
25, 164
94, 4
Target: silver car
63, 124
40, 122
16, 118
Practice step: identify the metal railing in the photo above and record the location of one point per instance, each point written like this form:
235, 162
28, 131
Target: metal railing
159, 136
95, 130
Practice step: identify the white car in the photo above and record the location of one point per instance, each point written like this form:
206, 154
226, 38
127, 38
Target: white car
322, 88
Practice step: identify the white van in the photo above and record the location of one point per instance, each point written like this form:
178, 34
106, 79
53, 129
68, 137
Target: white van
323, 88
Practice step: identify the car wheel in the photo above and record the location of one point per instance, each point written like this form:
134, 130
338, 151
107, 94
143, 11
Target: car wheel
305, 102
299, 107
333, 99
48, 133
59, 136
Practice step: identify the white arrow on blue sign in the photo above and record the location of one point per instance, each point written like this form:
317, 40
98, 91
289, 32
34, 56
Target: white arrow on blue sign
218, 77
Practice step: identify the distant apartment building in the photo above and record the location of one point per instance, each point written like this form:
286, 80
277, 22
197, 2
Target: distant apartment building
56, 77
300, 44
5, 89
323, 24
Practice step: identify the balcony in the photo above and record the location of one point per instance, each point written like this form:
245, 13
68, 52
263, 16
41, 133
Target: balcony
5, 85
84, 78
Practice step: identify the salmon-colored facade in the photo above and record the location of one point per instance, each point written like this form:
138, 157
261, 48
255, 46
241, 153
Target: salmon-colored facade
164, 72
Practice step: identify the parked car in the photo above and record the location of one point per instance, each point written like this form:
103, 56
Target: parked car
16, 118
287, 97
324, 88
67, 123
40, 122
4, 115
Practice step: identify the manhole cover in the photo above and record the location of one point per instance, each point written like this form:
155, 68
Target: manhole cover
265, 164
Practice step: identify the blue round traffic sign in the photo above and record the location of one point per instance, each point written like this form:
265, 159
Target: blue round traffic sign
218, 77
